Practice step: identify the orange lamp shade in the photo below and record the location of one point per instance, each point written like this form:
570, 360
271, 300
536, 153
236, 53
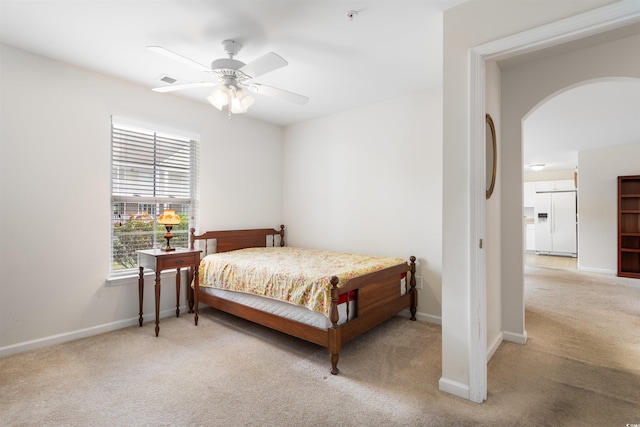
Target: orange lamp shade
169, 217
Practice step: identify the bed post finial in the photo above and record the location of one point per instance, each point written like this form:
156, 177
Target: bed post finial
334, 334
414, 293
282, 235
192, 237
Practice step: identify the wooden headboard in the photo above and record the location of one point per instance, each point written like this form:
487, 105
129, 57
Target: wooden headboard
231, 240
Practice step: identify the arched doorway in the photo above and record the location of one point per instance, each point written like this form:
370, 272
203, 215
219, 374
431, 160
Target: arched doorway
598, 114
512, 308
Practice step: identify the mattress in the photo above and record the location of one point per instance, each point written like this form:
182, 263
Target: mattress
283, 309
297, 276
290, 311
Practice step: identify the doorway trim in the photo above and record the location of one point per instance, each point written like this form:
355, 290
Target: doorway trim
592, 22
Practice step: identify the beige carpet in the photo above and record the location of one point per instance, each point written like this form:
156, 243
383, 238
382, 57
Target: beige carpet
581, 367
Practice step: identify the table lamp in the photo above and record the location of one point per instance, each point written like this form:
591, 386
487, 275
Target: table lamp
169, 219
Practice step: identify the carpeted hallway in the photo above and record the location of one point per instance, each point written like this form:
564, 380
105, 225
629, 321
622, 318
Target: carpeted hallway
581, 367
581, 364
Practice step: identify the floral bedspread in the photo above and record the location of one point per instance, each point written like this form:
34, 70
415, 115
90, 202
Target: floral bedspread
296, 275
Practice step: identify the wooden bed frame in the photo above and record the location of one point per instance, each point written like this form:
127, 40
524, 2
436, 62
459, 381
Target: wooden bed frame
377, 298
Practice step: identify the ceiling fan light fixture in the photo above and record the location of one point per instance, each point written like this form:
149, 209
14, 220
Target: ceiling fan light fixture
238, 100
236, 107
219, 97
241, 102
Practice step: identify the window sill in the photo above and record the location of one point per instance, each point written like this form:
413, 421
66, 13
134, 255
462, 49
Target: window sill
132, 279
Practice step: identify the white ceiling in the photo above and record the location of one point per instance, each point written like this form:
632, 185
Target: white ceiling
391, 48
596, 115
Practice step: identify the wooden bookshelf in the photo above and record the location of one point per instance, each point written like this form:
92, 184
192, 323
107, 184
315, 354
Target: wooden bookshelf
629, 226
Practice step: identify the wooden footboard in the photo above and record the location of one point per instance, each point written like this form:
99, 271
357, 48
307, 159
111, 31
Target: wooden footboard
377, 300
377, 297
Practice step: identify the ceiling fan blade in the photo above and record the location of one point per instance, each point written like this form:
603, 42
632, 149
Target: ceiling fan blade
183, 86
278, 93
267, 62
180, 58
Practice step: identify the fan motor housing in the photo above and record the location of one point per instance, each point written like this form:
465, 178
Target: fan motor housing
229, 68
227, 63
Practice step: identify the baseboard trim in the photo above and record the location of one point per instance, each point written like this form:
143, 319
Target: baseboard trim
429, 318
81, 333
125, 323
422, 317
494, 346
516, 338
454, 387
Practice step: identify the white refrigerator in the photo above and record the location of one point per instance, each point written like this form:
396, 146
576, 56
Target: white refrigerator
556, 220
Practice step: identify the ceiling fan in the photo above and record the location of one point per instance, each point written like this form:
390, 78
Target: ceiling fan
233, 78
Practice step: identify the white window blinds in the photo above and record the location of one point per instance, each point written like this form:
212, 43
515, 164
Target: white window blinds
151, 171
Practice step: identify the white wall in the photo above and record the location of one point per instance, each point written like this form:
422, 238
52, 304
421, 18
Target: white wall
369, 180
55, 114
472, 24
55, 193
524, 88
598, 204
549, 175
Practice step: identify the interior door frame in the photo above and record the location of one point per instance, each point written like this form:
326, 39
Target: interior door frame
606, 18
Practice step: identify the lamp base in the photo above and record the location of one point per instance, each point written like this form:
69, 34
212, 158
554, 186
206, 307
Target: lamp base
168, 236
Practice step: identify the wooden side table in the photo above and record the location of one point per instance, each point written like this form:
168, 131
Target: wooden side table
159, 260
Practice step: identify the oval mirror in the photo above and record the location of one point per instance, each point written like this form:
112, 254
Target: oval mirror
492, 155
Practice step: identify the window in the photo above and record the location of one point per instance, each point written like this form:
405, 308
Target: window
150, 171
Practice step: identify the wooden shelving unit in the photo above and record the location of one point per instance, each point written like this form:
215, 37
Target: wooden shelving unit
629, 226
